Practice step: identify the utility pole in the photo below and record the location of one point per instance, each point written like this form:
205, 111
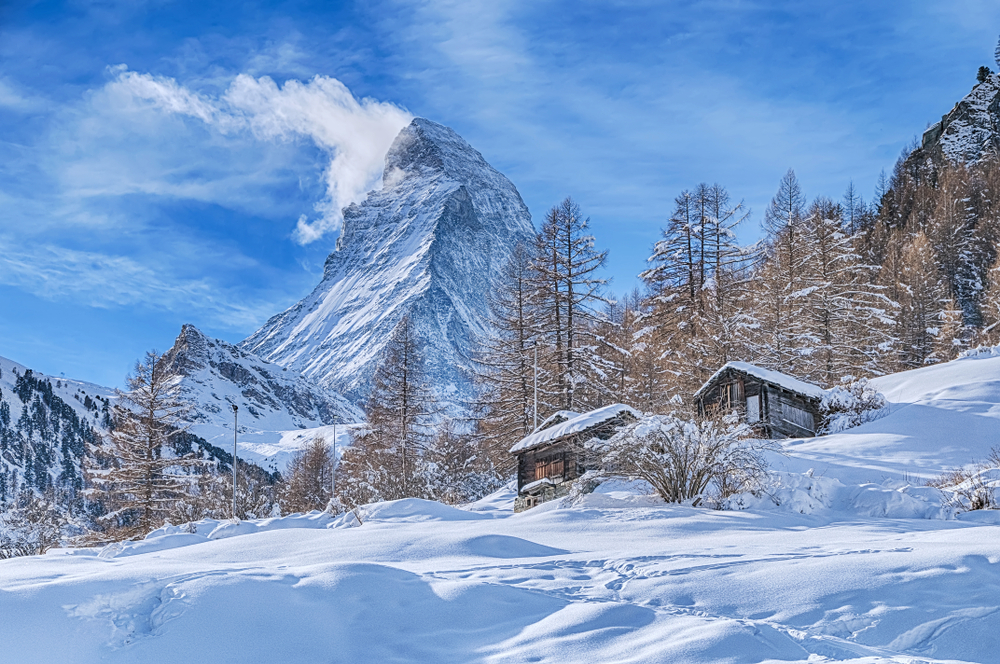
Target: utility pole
235, 429
402, 440
536, 385
333, 473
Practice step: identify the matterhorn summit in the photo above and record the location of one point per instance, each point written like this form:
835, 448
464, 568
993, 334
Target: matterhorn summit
429, 244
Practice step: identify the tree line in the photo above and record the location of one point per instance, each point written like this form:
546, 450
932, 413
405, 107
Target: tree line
832, 290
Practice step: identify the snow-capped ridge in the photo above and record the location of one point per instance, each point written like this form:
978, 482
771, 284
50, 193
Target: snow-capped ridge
215, 375
47, 425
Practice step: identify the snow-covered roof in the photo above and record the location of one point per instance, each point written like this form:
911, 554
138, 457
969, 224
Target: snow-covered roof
556, 418
537, 483
774, 377
575, 425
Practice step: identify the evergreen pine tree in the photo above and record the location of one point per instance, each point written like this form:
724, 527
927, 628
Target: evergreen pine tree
924, 296
780, 282
568, 295
504, 361
308, 479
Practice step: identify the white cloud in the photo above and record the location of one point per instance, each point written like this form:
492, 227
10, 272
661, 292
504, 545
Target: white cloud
354, 133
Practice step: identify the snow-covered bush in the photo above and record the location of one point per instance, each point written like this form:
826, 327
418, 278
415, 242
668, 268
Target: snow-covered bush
972, 488
685, 459
980, 353
850, 404
32, 527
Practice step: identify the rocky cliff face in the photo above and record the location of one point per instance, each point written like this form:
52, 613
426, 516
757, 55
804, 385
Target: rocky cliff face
215, 375
428, 244
966, 133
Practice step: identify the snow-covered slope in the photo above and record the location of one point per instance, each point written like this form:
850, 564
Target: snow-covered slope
423, 582
274, 449
940, 417
46, 424
73, 392
272, 400
967, 132
428, 244
866, 574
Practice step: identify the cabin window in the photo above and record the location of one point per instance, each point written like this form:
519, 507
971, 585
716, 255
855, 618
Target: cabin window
730, 394
551, 467
753, 409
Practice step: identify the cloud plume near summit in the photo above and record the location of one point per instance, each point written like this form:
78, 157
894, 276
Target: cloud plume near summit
355, 134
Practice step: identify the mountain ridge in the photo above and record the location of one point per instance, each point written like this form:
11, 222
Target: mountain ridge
216, 375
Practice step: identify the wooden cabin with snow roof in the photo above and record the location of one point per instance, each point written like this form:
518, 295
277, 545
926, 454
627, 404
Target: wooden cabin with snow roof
554, 454
776, 404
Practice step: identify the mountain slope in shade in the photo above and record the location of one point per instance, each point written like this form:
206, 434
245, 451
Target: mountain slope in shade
428, 244
271, 399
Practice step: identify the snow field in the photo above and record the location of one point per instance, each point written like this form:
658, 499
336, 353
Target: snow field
846, 557
274, 449
940, 417
420, 581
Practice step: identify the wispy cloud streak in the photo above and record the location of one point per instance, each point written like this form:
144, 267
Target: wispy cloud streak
107, 281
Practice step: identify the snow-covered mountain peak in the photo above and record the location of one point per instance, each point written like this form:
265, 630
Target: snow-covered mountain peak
427, 147
215, 375
428, 244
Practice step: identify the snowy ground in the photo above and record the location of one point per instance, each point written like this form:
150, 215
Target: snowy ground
940, 417
273, 450
855, 562
423, 582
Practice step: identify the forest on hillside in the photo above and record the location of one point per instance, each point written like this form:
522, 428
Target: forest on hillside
835, 290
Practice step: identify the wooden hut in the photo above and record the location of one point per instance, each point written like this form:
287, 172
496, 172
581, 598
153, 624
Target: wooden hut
554, 455
777, 404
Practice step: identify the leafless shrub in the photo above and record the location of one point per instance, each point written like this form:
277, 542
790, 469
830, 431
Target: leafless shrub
685, 459
971, 488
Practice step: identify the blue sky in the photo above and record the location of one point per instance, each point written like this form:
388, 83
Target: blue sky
169, 162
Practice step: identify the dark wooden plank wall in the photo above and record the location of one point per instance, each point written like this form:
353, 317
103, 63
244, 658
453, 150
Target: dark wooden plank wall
732, 388
783, 418
575, 462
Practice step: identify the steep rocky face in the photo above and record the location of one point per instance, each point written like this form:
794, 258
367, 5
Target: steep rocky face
428, 244
968, 132
215, 375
